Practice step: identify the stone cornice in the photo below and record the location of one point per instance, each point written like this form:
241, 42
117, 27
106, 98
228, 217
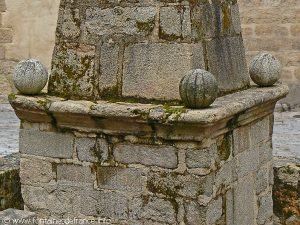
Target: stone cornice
149, 120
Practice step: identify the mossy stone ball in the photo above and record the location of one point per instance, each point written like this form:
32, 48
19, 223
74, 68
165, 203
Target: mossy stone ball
265, 70
30, 76
198, 89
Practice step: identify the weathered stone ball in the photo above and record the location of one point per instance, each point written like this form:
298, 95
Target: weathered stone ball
265, 70
198, 89
30, 76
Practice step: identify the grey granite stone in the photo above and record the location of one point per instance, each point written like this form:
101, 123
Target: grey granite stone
265, 69
48, 144
149, 155
30, 76
227, 62
154, 71
198, 89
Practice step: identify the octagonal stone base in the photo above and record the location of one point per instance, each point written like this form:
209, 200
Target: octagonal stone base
149, 164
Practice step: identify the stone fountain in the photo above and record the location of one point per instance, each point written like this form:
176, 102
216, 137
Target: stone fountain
111, 140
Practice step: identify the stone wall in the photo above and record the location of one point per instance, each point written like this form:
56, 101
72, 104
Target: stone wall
147, 163
27, 30
142, 49
274, 26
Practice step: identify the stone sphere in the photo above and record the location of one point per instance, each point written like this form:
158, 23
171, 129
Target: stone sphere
30, 76
198, 89
265, 70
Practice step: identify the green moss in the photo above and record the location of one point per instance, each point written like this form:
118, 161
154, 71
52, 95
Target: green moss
224, 147
141, 113
10, 190
109, 93
226, 17
145, 26
168, 37
175, 111
43, 103
12, 97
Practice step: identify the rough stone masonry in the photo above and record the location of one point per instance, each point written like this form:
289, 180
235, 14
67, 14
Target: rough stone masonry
142, 48
92, 147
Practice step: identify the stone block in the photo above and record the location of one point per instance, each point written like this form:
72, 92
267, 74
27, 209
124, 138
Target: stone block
86, 149
149, 155
73, 72
47, 144
109, 204
214, 211
159, 210
195, 213
265, 210
122, 179
265, 151
154, 71
69, 23
17, 217
2, 6
35, 198
227, 62
226, 175
2, 52
262, 179
247, 162
235, 19
229, 207
119, 20
202, 158
109, 67
244, 203
173, 184
6, 35
77, 174
35, 171
260, 131
241, 139
175, 23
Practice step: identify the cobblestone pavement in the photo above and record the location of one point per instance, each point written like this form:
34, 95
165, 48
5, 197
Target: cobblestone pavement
286, 138
9, 126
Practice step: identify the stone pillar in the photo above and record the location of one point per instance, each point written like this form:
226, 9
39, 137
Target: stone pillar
149, 164
141, 49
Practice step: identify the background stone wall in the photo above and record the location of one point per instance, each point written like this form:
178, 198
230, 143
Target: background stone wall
274, 26
27, 30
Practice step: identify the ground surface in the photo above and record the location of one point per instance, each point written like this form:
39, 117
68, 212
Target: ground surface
286, 138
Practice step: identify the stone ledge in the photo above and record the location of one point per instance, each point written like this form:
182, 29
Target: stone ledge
168, 122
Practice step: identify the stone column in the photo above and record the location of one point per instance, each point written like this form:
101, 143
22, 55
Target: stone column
149, 164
